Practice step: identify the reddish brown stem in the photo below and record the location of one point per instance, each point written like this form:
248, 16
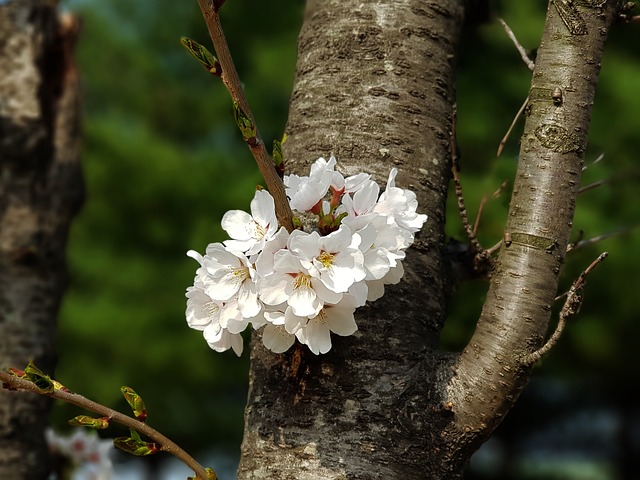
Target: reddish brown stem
232, 82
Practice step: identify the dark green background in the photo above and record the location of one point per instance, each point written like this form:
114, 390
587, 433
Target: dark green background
163, 162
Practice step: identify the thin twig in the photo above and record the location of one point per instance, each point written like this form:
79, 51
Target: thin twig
585, 243
166, 445
530, 65
593, 185
523, 53
484, 200
597, 160
231, 80
513, 124
473, 240
570, 308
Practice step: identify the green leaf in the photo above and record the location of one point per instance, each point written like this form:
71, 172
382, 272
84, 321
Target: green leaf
135, 445
245, 124
39, 378
91, 422
204, 56
135, 402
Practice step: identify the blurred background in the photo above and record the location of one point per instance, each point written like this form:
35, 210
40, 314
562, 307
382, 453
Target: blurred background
163, 162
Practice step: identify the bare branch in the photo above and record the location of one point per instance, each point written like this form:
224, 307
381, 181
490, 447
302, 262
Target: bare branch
483, 202
513, 124
523, 53
571, 307
585, 243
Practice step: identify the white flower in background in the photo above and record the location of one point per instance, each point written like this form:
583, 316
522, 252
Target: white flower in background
303, 285
89, 455
249, 233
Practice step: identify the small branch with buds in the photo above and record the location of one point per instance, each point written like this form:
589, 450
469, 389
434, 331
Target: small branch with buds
481, 259
224, 67
31, 379
570, 308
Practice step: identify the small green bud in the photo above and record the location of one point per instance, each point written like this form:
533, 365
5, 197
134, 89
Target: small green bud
91, 422
135, 445
211, 475
39, 378
135, 402
278, 159
246, 125
204, 56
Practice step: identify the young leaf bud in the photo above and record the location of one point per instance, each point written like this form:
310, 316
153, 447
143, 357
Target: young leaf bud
135, 402
204, 56
91, 422
39, 378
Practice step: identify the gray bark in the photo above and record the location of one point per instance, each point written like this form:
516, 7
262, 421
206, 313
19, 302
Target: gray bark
40, 190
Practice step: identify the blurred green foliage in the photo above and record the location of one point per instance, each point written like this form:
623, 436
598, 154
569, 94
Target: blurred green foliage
163, 162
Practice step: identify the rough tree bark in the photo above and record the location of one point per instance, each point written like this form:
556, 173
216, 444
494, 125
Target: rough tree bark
40, 190
375, 86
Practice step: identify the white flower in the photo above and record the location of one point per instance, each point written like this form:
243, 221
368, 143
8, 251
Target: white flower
264, 260
230, 274
315, 331
292, 284
334, 258
376, 287
221, 340
302, 285
382, 244
274, 335
307, 192
400, 206
202, 310
363, 201
250, 232
220, 322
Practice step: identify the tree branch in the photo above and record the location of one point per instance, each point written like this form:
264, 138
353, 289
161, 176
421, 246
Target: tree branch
489, 375
13, 382
231, 80
570, 308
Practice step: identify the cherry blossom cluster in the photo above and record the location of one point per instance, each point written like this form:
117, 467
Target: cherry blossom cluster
303, 285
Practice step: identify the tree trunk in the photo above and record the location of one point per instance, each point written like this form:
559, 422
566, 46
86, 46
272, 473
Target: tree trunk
40, 190
374, 86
